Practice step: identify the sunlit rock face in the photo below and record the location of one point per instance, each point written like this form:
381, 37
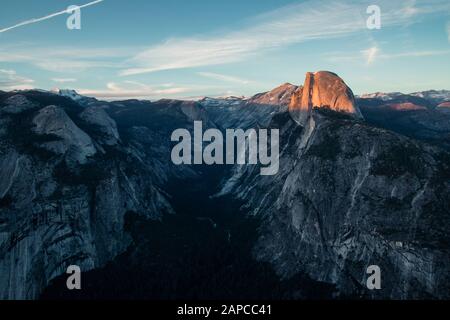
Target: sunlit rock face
281, 95
322, 89
349, 195
256, 111
444, 105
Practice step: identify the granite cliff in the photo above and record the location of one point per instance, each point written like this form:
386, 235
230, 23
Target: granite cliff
85, 182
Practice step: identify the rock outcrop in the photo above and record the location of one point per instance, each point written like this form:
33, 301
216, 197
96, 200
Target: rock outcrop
322, 89
280, 96
53, 120
436, 96
409, 115
97, 116
256, 111
62, 201
17, 104
349, 196
444, 105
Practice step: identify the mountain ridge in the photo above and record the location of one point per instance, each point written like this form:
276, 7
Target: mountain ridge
349, 189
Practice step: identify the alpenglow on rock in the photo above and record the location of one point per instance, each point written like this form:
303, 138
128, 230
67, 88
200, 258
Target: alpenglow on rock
281, 95
322, 89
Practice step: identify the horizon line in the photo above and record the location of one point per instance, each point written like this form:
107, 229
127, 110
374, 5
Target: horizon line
191, 98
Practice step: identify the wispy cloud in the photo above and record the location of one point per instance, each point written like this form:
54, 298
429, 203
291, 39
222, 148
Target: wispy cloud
370, 54
52, 15
425, 53
64, 80
10, 80
137, 90
222, 77
291, 24
448, 31
66, 60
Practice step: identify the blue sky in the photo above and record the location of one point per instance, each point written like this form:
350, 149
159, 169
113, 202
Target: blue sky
180, 49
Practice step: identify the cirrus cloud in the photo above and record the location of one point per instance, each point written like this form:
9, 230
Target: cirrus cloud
292, 24
370, 54
137, 90
64, 80
10, 80
49, 16
223, 77
65, 59
448, 31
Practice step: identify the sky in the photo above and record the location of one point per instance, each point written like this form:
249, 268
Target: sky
187, 49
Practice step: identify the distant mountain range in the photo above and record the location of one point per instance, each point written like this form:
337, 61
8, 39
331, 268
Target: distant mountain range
434, 96
363, 181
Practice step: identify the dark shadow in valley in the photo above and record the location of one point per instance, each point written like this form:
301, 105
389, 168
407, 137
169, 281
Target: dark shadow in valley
204, 251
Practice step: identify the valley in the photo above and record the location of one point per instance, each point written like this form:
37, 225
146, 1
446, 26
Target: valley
361, 182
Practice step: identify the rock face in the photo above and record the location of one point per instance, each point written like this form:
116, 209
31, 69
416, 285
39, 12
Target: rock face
322, 89
17, 104
348, 194
98, 117
381, 95
444, 105
436, 96
256, 111
73, 95
280, 96
430, 100
190, 109
409, 115
62, 201
53, 120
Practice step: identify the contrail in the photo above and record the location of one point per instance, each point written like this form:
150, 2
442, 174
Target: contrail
24, 23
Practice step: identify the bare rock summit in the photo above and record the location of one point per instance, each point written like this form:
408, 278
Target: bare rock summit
322, 89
